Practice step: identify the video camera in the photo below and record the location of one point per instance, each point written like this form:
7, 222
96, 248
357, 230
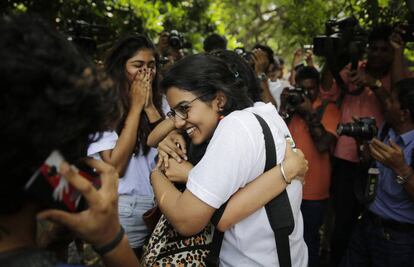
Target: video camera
84, 34
364, 128
344, 41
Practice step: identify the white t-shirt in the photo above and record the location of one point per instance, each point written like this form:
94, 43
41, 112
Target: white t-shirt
136, 179
235, 156
276, 89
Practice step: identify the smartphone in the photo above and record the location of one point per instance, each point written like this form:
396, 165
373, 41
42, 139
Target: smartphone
53, 190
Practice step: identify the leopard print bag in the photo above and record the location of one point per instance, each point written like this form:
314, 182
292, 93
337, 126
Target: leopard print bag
166, 247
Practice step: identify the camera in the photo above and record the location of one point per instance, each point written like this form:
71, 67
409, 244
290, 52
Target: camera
295, 97
363, 128
344, 41
176, 40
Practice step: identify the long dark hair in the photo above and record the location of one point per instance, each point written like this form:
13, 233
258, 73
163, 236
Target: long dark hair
51, 98
205, 74
115, 67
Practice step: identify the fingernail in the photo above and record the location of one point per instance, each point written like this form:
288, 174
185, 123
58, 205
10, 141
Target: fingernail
185, 157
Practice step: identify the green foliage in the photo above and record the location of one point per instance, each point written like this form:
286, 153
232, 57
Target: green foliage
285, 25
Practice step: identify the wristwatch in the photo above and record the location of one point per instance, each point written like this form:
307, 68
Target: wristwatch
403, 179
262, 76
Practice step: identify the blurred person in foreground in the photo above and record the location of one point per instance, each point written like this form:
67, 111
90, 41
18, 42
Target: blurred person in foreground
53, 99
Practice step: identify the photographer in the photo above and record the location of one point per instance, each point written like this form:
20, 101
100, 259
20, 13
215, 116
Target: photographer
312, 125
261, 61
364, 98
52, 98
384, 236
170, 47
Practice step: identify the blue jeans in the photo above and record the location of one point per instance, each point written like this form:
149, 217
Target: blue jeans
379, 246
313, 212
131, 209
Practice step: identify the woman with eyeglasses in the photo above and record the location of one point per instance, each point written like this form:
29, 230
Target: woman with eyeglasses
209, 102
132, 65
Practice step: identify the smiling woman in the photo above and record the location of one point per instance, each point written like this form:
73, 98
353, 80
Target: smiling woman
217, 108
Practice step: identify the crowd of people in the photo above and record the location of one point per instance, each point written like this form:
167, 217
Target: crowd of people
220, 158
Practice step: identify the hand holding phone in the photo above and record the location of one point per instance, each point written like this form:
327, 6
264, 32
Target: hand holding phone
99, 224
51, 189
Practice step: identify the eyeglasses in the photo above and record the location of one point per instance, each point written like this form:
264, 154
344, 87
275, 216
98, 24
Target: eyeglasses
182, 109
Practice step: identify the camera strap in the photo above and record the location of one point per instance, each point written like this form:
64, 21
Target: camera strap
373, 172
278, 210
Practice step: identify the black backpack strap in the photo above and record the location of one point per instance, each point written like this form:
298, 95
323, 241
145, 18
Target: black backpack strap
279, 211
213, 258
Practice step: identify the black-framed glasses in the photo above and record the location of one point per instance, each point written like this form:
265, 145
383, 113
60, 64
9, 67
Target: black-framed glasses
181, 110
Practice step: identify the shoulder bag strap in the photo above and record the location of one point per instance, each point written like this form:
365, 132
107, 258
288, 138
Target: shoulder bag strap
279, 211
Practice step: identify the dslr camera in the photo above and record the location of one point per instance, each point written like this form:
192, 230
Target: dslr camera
295, 97
176, 40
364, 128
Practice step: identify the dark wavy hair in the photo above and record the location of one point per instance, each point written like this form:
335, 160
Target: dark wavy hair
115, 68
239, 65
205, 74
51, 98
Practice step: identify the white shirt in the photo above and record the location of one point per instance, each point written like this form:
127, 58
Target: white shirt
235, 156
276, 89
136, 179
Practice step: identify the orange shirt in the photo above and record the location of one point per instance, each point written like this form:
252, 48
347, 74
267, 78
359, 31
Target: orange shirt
365, 104
318, 177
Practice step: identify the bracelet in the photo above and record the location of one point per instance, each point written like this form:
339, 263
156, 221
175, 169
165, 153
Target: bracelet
111, 245
283, 174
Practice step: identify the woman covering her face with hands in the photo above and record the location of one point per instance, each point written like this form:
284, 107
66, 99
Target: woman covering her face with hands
132, 65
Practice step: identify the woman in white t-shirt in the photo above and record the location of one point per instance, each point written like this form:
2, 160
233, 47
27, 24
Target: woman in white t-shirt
132, 65
209, 101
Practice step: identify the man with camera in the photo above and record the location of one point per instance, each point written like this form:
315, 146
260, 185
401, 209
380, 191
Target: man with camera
170, 47
359, 97
312, 125
384, 235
